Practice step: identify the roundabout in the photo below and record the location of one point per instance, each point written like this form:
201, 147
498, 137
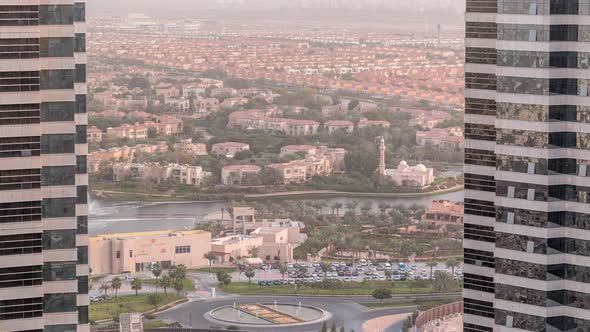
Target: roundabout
267, 314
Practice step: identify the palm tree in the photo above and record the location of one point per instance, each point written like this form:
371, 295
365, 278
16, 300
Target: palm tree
325, 268
157, 272
166, 282
222, 213
336, 206
431, 265
452, 263
116, 284
210, 256
253, 251
283, 269
383, 207
442, 282
249, 274
136, 285
105, 288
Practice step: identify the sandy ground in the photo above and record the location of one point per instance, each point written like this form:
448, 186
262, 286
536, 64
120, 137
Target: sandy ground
380, 324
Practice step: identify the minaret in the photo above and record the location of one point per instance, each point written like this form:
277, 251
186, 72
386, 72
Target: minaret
381, 158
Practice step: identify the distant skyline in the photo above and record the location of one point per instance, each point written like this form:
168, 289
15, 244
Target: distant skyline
174, 6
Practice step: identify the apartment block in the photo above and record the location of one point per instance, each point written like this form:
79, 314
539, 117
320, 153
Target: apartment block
43, 192
527, 138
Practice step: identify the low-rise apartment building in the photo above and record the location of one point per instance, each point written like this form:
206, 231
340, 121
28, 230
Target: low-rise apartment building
228, 149
234, 175
94, 135
339, 126
184, 174
441, 137
444, 213
136, 252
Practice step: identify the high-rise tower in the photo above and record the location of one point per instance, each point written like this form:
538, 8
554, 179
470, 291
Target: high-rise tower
527, 151
43, 180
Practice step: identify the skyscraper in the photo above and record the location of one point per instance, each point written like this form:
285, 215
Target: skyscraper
43, 180
527, 151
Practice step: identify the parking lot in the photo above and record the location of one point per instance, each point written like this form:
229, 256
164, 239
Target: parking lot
364, 270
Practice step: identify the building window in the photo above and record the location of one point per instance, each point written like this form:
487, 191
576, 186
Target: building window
81, 134
56, 14
57, 79
27, 15
80, 43
58, 176
59, 207
58, 143
60, 328
59, 302
21, 308
20, 81
583, 171
57, 111
531, 168
83, 314
118, 254
80, 103
19, 48
82, 195
59, 239
511, 190
22, 276
12, 147
183, 249
20, 212
83, 255
130, 253
83, 285
81, 165
59, 271
82, 225
80, 73
79, 12
56, 47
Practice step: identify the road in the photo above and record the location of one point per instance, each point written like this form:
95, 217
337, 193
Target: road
344, 312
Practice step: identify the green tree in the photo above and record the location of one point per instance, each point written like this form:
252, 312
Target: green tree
325, 268
442, 282
178, 286
254, 251
154, 299
336, 207
105, 288
178, 272
452, 263
431, 265
333, 328
324, 327
136, 285
116, 284
364, 161
382, 293
165, 283
210, 256
283, 269
353, 104
249, 274
223, 278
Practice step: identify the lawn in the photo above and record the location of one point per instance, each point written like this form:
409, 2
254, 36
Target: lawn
351, 288
215, 269
422, 305
131, 303
187, 285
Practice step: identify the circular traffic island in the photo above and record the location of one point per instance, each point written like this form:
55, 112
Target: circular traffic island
267, 315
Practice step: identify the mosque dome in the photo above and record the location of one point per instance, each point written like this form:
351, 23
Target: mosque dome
421, 168
402, 165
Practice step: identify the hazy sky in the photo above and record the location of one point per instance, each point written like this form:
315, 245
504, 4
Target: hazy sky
126, 6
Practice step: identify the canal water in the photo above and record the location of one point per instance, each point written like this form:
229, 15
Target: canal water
120, 217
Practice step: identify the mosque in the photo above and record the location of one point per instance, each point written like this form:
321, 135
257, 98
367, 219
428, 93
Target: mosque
405, 175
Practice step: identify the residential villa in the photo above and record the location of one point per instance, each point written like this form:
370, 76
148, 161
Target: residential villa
336, 126
228, 149
233, 175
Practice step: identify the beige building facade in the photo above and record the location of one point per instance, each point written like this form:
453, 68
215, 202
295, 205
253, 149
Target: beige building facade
135, 252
